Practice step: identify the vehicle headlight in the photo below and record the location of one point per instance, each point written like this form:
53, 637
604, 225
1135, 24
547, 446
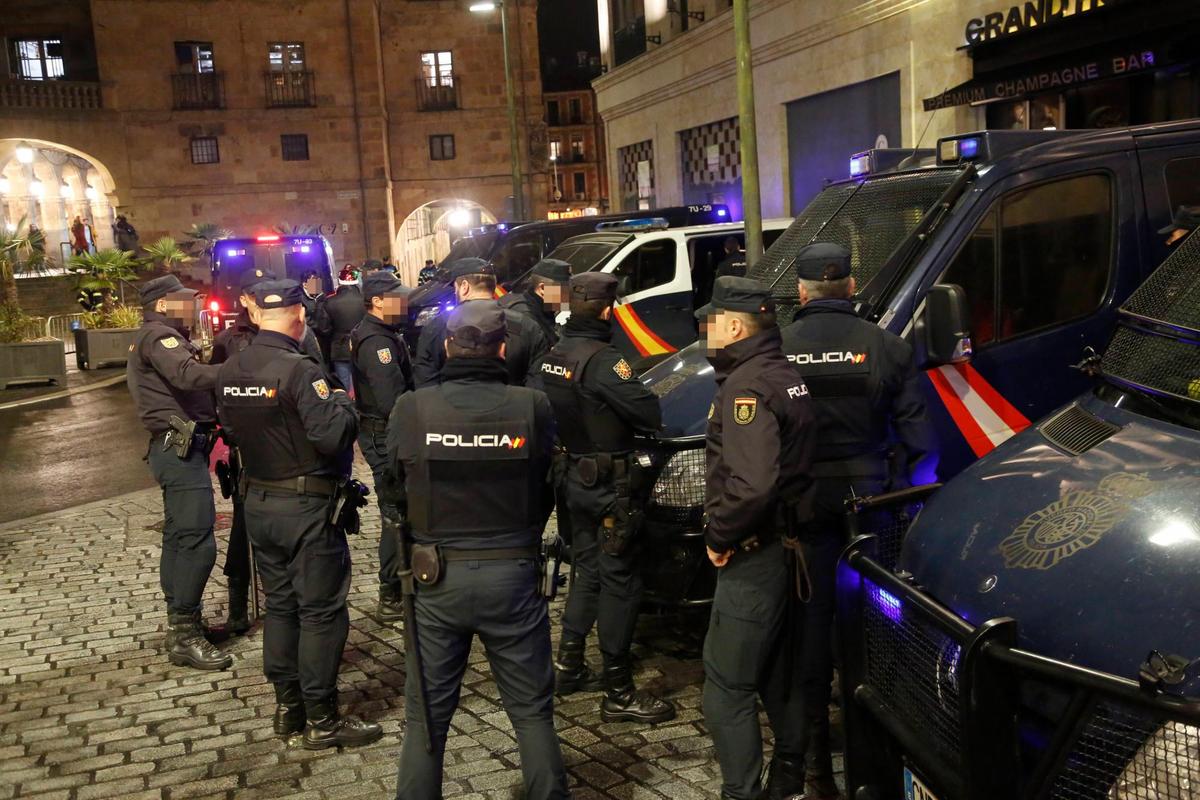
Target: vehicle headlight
680, 484
426, 315
1165, 767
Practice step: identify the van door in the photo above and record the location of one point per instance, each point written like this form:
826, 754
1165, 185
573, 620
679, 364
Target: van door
1044, 270
654, 310
1170, 179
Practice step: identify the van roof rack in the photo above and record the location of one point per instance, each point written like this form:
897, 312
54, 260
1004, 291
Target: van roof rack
643, 224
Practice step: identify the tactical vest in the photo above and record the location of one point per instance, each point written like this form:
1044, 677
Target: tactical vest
364, 395
273, 442
472, 476
585, 425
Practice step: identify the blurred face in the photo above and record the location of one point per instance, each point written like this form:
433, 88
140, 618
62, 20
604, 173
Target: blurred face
720, 330
180, 307
554, 295
392, 309
312, 285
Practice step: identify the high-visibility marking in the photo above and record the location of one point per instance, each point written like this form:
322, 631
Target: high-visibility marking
1013, 418
644, 339
983, 416
976, 438
500, 291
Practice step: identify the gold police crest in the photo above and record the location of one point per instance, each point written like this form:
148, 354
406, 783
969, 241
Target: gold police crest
321, 388
169, 342
623, 370
744, 409
385, 355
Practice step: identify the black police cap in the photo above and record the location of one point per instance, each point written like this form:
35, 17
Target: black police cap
476, 323
1186, 218
594, 286
155, 289
553, 270
278, 294
378, 284
731, 293
469, 266
823, 261
253, 277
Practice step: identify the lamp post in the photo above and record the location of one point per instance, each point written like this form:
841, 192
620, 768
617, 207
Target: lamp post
514, 134
751, 201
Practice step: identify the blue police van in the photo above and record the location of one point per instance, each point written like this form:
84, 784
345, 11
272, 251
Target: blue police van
1040, 637
1015, 246
285, 256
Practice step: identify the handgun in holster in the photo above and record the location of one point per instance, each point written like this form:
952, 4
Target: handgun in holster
627, 518
181, 437
351, 495
551, 562
229, 473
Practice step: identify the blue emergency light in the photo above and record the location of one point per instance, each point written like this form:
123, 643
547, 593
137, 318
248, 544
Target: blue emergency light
722, 213
968, 148
646, 224
860, 164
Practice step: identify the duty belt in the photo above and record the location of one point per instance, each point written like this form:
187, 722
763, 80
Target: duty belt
318, 485
862, 466
489, 554
606, 465
372, 424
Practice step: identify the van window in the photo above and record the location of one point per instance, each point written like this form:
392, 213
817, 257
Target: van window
1183, 182
974, 269
518, 253
1055, 252
652, 264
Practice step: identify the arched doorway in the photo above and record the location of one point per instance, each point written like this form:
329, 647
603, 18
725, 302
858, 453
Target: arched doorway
49, 185
429, 231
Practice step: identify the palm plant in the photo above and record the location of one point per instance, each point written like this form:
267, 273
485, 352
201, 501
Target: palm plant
167, 254
100, 273
19, 247
203, 237
306, 229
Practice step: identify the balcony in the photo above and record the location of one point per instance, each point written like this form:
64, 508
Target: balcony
437, 98
291, 89
54, 95
629, 42
198, 90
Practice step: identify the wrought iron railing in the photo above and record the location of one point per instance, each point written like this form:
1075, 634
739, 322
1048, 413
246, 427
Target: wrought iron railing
291, 89
198, 90
59, 95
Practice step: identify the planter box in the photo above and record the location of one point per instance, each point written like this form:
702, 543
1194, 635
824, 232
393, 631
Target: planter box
105, 346
24, 362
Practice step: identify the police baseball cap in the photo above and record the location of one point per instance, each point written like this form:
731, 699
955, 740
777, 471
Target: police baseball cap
381, 283
158, 288
731, 293
823, 261
1186, 217
469, 266
553, 270
476, 323
594, 286
253, 277
278, 294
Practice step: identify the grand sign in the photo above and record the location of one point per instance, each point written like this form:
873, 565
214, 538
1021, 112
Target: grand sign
1027, 16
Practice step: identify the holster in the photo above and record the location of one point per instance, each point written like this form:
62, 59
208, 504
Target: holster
426, 561
225, 479
627, 519
351, 495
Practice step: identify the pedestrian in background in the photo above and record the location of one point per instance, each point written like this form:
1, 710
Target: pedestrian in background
79, 243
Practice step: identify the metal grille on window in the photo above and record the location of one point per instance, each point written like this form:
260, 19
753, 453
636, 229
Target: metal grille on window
294, 146
205, 151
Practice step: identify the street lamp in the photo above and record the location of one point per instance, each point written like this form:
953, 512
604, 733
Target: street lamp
485, 8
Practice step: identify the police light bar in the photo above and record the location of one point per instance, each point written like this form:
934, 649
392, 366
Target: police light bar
968, 148
860, 164
646, 224
268, 238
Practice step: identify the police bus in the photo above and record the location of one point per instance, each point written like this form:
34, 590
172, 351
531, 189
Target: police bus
285, 256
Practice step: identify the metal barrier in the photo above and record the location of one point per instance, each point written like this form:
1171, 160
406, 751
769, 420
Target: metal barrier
62, 326
887, 517
938, 709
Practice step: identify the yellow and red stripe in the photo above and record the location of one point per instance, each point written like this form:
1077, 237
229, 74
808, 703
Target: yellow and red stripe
983, 416
645, 340
500, 291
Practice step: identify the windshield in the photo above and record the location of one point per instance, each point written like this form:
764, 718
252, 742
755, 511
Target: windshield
289, 258
478, 246
871, 219
585, 256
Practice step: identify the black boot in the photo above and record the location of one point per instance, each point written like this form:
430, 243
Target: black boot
391, 604
189, 648
571, 671
326, 728
289, 709
785, 777
239, 621
624, 703
818, 776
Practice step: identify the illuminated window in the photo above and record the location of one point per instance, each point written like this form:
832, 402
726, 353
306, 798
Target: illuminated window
437, 68
441, 147
205, 151
39, 59
577, 148
294, 146
555, 149
286, 56
195, 57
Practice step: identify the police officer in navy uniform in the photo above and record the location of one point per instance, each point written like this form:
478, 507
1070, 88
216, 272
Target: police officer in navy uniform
167, 381
474, 280
600, 405
474, 453
382, 372
874, 436
545, 296
758, 491
295, 433
336, 317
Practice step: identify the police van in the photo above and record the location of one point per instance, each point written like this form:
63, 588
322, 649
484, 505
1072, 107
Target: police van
664, 273
1018, 246
284, 256
512, 248
1041, 635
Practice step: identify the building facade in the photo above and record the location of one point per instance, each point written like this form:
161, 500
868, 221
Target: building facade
579, 173
834, 77
345, 117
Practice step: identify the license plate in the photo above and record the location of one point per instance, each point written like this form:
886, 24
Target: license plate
914, 789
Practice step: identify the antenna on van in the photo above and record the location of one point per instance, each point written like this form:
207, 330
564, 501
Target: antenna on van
911, 160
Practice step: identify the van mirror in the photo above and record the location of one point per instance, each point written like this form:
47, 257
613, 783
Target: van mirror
946, 325
622, 285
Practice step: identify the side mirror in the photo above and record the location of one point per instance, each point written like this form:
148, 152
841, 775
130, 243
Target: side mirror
945, 326
622, 285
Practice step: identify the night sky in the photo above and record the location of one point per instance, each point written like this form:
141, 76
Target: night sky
566, 27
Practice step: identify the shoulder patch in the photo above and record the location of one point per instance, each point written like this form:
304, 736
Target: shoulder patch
385, 355
623, 370
744, 410
169, 342
321, 388
712, 407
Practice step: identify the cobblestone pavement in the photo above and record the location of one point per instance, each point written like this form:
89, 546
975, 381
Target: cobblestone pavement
90, 707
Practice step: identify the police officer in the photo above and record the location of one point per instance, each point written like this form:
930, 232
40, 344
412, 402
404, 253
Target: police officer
734, 262
474, 454
336, 317
545, 297
473, 280
600, 405
295, 434
865, 388
172, 392
758, 489
382, 372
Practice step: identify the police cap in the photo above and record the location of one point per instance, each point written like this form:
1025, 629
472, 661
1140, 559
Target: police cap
731, 293
278, 294
594, 286
158, 288
476, 323
553, 270
469, 266
1186, 218
253, 277
382, 282
823, 261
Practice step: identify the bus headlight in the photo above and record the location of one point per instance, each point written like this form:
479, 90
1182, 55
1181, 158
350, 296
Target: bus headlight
1165, 767
680, 484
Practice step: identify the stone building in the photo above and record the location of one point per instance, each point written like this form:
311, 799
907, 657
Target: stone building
833, 77
379, 123
579, 174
